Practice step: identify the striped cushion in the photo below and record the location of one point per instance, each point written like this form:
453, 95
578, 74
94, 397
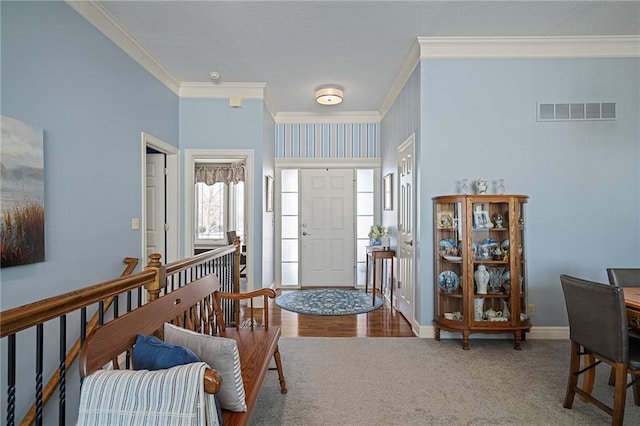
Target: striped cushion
174, 396
220, 353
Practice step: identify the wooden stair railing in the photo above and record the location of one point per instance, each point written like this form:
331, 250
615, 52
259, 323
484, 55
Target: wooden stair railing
73, 353
35, 315
153, 279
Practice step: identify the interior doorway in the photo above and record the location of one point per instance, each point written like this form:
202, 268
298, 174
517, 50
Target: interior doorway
155, 196
217, 205
159, 223
406, 229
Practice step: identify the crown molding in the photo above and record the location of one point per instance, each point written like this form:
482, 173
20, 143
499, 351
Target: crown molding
405, 72
530, 47
511, 47
222, 90
229, 90
104, 22
321, 163
268, 103
329, 118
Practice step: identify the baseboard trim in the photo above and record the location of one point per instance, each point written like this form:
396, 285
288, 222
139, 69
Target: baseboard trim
539, 333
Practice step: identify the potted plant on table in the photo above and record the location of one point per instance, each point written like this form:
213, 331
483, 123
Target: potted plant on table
375, 235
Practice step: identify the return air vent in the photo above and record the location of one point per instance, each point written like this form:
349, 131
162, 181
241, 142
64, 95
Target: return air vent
577, 111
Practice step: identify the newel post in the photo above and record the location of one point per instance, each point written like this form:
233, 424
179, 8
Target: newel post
153, 288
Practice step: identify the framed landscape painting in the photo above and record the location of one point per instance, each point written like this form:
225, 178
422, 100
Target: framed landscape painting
21, 193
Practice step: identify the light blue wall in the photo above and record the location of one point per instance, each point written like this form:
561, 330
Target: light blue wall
268, 218
212, 124
93, 101
478, 119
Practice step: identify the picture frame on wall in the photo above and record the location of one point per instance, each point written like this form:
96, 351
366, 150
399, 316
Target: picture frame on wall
387, 192
268, 194
22, 193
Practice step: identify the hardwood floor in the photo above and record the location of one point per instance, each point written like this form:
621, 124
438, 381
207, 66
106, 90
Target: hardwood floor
383, 322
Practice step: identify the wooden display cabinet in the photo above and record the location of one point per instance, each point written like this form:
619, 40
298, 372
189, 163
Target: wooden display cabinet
473, 232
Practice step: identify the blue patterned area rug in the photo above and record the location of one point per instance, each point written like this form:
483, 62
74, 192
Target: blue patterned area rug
327, 301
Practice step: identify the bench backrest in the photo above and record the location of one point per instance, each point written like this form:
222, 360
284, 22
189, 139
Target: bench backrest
191, 303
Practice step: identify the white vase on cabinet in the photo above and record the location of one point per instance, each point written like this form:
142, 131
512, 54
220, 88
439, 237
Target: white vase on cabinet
481, 277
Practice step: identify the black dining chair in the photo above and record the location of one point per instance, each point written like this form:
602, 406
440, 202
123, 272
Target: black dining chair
598, 331
231, 236
625, 277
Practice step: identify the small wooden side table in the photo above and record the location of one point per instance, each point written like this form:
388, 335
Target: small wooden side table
377, 253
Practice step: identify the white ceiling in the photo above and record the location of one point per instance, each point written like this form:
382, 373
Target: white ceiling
295, 46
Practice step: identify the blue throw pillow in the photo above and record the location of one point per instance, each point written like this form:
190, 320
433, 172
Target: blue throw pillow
151, 353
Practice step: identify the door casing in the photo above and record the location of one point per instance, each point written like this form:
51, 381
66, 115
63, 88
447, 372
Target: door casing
189, 183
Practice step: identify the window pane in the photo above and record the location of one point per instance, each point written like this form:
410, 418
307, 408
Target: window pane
290, 180
361, 250
360, 274
364, 180
290, 274
289, 250
290, 227
210, 211
290, 203
365, 203
363, 226
239, 209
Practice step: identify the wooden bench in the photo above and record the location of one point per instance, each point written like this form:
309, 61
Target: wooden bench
196, 306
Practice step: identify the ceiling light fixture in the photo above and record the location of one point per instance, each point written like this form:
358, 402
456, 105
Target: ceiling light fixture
329, 95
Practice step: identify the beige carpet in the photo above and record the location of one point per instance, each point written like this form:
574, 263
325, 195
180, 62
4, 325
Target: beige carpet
411, 381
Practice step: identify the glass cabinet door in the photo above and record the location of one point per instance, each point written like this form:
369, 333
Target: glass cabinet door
520, 255
491, 245
448, 232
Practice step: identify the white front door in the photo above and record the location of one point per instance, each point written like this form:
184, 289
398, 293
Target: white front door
327, 237
406, 229
155, 205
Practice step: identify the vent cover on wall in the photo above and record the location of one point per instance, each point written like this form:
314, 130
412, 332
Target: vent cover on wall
577, 111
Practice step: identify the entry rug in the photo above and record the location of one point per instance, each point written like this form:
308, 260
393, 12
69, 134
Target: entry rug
329, 301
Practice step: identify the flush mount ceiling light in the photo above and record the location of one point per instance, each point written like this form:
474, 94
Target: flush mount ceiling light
329, 95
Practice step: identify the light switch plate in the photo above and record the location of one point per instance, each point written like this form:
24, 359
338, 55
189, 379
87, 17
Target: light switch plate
135, 223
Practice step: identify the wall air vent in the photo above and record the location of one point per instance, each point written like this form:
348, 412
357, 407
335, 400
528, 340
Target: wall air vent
577, 111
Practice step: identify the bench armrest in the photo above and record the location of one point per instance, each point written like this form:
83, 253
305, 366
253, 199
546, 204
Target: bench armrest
266, 293
212, 381
246, 295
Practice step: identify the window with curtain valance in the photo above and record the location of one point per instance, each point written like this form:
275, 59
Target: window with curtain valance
211, 173
219, 200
